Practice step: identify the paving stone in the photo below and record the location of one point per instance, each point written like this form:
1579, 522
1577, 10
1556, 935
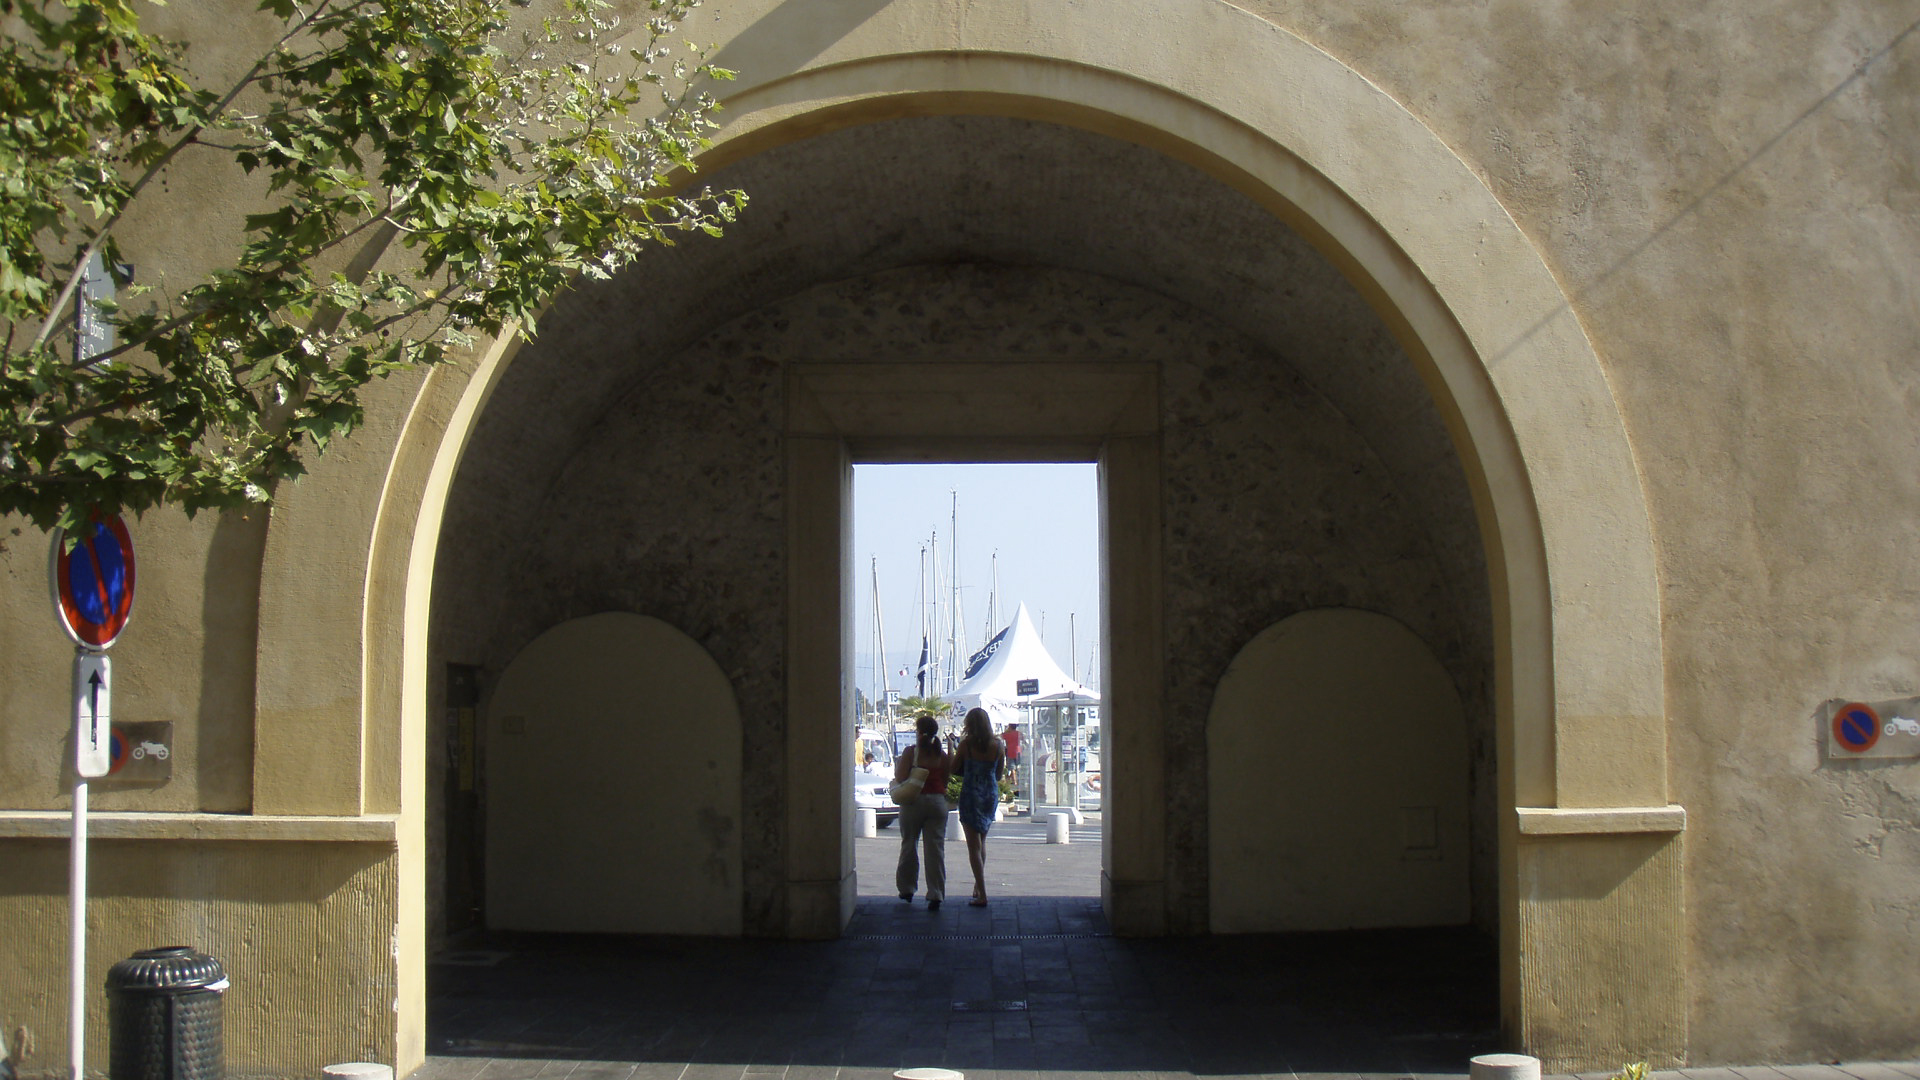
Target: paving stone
459, 1068
1813, 1072
602, 1070
1868, 1070
1709, 1074
513, 1069
1759, 1072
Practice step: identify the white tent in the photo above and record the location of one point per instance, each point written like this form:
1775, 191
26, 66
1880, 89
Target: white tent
1016, 655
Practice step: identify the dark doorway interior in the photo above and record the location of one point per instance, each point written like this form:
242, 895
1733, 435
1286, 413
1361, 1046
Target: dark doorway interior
460, 793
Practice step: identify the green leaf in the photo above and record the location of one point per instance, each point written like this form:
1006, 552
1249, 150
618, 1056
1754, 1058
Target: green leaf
389, 141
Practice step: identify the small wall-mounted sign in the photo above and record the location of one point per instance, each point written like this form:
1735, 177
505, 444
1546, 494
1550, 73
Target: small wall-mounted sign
1872, 729
143, 752
1026, 687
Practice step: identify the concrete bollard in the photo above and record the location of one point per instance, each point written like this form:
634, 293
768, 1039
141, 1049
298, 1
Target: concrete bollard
357, 1070
953, 826
1504, 1067
866, 821
1057, 825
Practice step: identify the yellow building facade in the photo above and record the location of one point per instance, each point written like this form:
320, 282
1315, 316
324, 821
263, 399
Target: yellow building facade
1549, 373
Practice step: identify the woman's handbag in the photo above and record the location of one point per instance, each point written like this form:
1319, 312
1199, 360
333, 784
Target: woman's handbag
905, 791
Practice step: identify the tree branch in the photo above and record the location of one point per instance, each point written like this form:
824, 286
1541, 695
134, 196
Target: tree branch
153, 170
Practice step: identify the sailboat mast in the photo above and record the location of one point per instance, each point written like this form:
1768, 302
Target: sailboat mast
954, 631
882, 685
936, 619
920, 689
993, 599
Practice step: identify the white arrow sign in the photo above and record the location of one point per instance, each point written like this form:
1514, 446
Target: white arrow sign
92, 708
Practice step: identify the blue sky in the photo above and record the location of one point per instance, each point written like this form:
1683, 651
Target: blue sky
1042, 520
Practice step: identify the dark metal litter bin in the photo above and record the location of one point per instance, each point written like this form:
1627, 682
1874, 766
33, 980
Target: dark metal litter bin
163, 1013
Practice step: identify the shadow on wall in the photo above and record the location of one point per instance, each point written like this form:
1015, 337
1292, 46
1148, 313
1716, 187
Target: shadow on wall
793, 33
613, 784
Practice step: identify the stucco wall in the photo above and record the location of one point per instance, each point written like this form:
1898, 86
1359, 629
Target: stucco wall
1727, 193
309, 920
185, 659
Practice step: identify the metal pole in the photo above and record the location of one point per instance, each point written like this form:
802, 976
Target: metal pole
77, 930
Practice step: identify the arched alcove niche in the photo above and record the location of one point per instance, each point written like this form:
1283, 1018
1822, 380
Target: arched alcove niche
613, 784
1570, 555
1337, 780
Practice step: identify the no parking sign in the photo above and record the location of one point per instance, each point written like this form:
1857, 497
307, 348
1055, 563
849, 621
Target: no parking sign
1872, 729
92, 582
92, 585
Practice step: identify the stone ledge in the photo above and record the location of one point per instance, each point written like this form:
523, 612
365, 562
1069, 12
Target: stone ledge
127, 825
1601, 821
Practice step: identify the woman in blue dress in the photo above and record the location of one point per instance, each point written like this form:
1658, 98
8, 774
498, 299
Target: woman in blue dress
981, 757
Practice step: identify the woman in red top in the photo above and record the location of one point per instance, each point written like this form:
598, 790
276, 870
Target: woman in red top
926, 815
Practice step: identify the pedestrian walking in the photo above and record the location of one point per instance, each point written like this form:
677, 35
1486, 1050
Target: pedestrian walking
982, 756
924, 817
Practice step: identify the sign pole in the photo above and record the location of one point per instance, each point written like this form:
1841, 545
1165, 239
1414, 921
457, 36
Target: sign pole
92, 585
77, 931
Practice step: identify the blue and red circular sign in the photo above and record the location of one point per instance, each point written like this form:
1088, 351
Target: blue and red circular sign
1856, 727
93, 582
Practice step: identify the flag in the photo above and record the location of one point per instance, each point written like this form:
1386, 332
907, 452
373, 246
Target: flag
979, 659
923, 667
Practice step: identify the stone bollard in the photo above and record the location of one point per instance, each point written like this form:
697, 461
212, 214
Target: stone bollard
1504, 1067
1057, 826
866, 821
953, 826
357, 1070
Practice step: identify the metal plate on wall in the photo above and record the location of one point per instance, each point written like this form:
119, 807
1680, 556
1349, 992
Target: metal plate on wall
143, 752
1871, 729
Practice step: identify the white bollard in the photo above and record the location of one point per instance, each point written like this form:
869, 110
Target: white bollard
953, 825
866, 821
1504, 1067
357, 1070
1057, 825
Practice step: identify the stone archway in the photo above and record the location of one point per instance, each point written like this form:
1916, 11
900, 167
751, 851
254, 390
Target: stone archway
1582, 729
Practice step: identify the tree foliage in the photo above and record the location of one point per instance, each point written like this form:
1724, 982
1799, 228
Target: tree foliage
433, 171
932, 704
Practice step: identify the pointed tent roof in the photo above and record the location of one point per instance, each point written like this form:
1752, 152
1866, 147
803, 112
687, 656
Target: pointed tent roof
1018, 653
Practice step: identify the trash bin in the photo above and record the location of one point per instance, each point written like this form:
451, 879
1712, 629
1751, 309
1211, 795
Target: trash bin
163, 1016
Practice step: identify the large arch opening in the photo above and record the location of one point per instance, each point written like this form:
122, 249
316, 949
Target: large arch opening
1514, 384
1266, 448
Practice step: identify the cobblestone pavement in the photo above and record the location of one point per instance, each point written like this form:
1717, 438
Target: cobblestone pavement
1031, 987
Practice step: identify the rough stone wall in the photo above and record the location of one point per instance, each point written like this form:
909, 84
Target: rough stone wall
671, 505
1277, 503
